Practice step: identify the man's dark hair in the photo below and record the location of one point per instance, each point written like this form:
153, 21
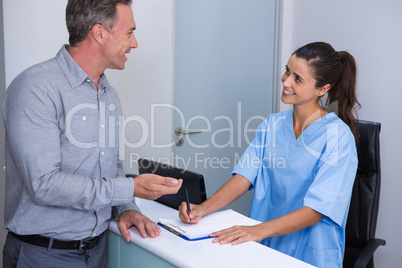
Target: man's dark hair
82, 15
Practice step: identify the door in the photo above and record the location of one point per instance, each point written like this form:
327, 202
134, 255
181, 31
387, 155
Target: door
224, 77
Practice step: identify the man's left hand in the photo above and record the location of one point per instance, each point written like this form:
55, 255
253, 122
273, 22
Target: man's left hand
145, 226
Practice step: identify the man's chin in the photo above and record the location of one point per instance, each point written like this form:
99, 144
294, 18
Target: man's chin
119, 67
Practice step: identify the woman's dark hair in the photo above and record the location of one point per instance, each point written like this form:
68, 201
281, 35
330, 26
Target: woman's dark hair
82, 15
338, 69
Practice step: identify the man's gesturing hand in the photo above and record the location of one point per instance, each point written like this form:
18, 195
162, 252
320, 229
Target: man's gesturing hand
151, 186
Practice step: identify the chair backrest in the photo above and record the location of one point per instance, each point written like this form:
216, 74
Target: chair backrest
362, 218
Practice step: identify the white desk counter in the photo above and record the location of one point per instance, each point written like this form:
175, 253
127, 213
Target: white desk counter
169, 250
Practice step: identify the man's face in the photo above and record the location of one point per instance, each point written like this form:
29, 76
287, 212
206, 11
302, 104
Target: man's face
120, 39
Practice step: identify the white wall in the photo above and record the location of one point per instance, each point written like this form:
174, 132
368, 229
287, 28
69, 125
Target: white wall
31, 34
2, 90
370, 31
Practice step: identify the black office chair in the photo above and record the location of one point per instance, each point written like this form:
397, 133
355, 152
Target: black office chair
362, 219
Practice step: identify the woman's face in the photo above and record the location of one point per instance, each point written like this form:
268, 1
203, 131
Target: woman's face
298, 83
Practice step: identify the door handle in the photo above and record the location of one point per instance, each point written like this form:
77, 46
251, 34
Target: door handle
180, 131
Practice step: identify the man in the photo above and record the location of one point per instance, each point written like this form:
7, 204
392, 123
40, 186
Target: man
62, 121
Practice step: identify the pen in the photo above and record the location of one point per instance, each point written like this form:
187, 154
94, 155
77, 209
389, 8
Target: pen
188, 205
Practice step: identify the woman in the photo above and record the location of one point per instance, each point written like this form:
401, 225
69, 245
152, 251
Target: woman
303, 200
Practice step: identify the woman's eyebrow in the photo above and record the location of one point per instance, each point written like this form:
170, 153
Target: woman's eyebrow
298, 77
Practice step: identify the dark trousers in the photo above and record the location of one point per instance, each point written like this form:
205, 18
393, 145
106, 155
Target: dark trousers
20, 254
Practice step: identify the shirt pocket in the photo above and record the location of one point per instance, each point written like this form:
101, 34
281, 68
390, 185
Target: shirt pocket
323, 249
82, 133
323, 258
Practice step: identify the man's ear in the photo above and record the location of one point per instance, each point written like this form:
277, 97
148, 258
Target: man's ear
99, 33
323, 90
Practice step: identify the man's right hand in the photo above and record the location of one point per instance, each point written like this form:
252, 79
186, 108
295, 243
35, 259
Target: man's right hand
151, 186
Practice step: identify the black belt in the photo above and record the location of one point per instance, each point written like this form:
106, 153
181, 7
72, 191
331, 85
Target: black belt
42, 241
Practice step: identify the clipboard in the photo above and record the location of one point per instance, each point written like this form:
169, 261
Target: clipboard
216, 221
181, 235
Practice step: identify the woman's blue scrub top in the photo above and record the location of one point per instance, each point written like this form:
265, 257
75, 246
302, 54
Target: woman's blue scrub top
316, 170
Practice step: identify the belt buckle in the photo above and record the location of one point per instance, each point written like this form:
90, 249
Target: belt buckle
87, 243
81, 246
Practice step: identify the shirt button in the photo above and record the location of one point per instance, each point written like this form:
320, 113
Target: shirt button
94, 234
84, 118
103, 153
103, 126
88, 80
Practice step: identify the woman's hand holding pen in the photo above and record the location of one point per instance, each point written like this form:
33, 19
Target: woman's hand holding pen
196, 213
234, 235
229, 192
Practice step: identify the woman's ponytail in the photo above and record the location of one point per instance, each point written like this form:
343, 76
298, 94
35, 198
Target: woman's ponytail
344, 92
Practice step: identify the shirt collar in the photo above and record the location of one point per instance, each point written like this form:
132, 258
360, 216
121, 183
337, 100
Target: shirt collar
103, 82
73, 72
